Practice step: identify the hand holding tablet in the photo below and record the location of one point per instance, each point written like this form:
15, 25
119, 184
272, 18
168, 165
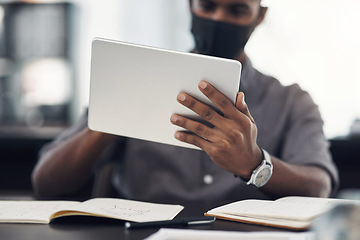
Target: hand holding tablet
133, 88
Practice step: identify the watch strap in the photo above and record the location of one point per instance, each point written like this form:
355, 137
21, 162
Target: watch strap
266, 161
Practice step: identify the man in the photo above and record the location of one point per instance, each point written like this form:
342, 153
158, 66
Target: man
273, 142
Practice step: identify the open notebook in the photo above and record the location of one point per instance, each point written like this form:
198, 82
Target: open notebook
46, 211
292, 212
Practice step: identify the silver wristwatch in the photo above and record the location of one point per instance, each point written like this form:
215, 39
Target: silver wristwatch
261, 175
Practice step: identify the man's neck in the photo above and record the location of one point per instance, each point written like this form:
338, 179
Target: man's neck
242, 57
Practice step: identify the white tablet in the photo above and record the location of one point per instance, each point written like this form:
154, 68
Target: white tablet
133, 89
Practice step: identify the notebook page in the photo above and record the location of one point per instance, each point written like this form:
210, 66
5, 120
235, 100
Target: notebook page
273, 209
316, 201
189, 234
128, 209
31, 211
277, 222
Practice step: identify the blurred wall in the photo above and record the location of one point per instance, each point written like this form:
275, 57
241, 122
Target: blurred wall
314, 43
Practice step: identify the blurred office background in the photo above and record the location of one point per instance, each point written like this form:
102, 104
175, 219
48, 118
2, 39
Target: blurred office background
45, 50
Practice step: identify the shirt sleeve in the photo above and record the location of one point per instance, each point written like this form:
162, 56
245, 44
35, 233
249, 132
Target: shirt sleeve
304, 139
109, 154
77, 127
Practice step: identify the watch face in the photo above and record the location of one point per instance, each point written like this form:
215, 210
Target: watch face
263, 176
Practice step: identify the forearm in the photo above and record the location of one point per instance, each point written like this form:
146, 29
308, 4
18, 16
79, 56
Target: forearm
290, 179
65, 168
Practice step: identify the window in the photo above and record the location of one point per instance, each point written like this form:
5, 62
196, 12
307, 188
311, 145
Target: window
35, 64
314, 44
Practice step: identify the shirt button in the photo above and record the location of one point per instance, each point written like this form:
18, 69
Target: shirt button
208, 179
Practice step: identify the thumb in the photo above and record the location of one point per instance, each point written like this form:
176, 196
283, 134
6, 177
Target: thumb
242, 106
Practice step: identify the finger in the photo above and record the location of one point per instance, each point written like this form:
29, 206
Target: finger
219, 99
203, 110
242, 106
198, 128
192, 139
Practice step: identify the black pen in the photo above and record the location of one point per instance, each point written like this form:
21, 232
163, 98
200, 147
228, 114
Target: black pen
175, 222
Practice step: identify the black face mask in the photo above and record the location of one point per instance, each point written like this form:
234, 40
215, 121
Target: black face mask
219, 39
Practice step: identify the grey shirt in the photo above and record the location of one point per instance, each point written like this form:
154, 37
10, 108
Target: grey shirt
289, 127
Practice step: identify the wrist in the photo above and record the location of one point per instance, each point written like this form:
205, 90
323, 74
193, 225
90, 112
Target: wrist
258, 158
245, 173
